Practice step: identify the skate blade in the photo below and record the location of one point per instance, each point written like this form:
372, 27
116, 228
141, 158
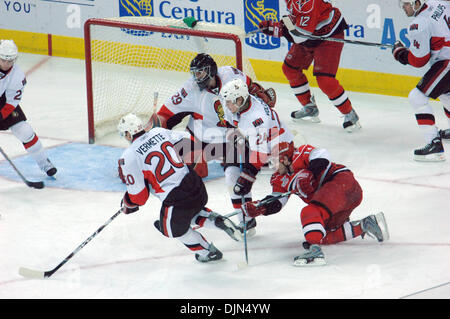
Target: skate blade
437, 157
381, 221
304, 262
353, 128
311, 119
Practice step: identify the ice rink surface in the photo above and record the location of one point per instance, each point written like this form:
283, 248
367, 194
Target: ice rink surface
130, 259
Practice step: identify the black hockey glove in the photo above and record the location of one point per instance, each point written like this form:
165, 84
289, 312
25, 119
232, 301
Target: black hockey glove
127, 206
400, 52
244, 183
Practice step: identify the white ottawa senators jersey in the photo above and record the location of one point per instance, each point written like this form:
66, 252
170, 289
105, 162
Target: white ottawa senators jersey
429, 34
262, 128
12, 84
207, 122
151, 165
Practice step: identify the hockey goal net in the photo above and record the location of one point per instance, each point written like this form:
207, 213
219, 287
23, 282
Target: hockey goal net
128, 59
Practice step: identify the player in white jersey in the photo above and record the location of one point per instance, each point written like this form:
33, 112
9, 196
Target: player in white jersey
429, 34
12, 84
150, 165
260, 127
199, 98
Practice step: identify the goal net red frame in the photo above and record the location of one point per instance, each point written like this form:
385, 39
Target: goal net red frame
129, 58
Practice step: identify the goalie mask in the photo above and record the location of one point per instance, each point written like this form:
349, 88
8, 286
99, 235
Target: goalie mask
8, 50
203, 68
130, 123
233, 90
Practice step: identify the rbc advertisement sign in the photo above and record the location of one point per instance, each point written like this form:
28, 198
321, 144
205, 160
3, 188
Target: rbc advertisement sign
136, 8
256, 11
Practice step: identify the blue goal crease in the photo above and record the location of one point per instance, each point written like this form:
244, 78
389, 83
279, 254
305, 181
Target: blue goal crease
81, 167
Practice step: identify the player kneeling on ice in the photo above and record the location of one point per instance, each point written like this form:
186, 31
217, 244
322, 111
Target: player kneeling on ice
256, 126
151, 165
331, 193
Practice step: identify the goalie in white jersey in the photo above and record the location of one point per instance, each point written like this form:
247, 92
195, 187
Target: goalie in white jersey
258, 128
12, 117
429, 34
199, 98
150, 165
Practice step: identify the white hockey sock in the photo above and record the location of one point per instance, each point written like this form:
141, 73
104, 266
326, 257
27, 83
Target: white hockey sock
24, 132
429, 132
195, 242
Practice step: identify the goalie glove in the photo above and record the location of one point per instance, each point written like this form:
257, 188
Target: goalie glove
400, 52
127, 206
269, 96
251, 209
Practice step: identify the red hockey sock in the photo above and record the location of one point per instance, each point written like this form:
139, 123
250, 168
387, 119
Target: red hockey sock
335, 92
343, 233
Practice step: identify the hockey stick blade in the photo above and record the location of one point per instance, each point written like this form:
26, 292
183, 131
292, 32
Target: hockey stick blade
37, 185
30, 273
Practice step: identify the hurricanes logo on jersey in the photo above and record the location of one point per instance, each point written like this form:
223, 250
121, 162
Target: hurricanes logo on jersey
256, 11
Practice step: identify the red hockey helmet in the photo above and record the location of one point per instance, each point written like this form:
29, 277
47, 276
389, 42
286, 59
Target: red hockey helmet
283, 149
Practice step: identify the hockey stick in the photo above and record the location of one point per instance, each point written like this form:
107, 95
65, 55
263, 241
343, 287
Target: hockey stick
290, 26
37, 185
30, 273
241, 264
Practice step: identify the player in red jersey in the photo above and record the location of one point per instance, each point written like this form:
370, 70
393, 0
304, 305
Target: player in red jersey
331, 193
316, 18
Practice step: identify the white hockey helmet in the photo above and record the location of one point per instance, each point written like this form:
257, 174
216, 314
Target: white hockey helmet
130, 123
8, 50
233, 90
411, 2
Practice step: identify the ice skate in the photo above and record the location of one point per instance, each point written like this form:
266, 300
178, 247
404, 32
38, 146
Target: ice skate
312, 257
445, 134
432, 152
375, 226
351, 121
309, 112
48, 168
251, 228
214, 254
227, 226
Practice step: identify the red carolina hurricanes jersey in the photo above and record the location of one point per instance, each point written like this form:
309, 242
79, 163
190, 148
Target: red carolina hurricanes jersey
317, 160
315, 17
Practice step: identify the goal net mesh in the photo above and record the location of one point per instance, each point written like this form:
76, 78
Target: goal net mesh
128, 64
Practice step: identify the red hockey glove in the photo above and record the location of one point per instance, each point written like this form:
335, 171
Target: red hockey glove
250, 209
244, 183
272, 28
400, 52
304, 183
268, 96
127, 206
